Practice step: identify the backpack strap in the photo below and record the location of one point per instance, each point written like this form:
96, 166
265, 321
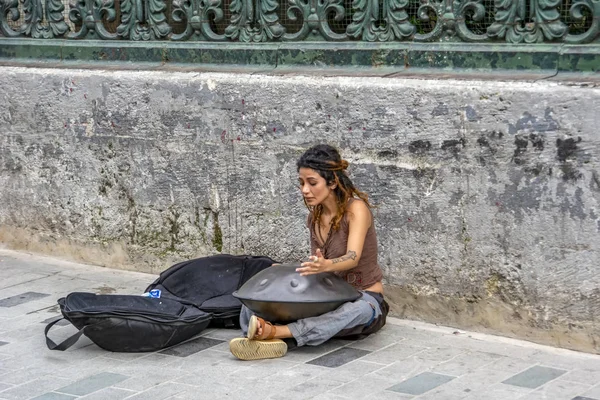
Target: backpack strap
68, 342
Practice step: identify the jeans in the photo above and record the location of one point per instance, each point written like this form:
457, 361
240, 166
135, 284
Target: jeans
314, 331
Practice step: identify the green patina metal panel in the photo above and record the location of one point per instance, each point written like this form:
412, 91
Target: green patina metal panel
552, 35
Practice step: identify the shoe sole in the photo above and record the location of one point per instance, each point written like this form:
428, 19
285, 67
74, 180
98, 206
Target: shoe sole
246, 349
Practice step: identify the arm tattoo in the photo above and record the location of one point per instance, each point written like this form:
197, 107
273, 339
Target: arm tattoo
351, 255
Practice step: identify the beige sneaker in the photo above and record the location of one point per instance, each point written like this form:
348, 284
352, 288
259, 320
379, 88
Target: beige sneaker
246, 349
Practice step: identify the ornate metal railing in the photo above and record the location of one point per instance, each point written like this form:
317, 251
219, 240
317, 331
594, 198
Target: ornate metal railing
514, 21
326, 24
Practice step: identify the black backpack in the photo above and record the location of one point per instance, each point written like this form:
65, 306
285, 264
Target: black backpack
194, 294
208, 283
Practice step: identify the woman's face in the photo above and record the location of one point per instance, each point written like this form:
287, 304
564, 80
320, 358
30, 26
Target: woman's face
313, 186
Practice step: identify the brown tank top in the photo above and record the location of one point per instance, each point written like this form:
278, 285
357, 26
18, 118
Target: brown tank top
367, 272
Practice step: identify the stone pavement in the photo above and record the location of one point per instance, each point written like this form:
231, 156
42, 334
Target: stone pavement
406, 360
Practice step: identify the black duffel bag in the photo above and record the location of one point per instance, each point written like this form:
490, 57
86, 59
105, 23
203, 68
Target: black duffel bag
194, 294
127, 323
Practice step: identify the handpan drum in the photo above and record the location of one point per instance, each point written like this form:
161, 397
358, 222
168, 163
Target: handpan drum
280, 294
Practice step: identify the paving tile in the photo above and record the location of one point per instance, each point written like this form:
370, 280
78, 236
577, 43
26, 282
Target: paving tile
411, 333
214, 380
557, 390
560, 390
33, 388
395, 352
462, 386
167, 390
21, 299
487, 346
229, 394
307, 353
54, 396
269, 385
573, 361
582, 398
387, 395
63, 322
23, 332
449, 391
352, 370
421, 383
465, 363
328, 396
158, 359
376, 342
87, 368
148, 378
123, 356
594, 392
191, 347
511, 365
362, 388
481, 378
3, 343
499, 391
308, 389
15, 277
582, 376
110, 393
295, 375
440, 354
92, 383
4, 386
403, 369
263, 368
197, 363
534, 377
339, 357
22, 375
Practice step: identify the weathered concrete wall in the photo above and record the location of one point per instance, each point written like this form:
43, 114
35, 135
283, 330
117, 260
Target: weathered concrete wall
487, 193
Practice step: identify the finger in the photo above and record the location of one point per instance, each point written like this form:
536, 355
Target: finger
309, 273
310, 264
319, 254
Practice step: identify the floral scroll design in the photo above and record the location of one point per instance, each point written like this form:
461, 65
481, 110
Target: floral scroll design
511, 16
9, 9
198, 14
442, 24
314, 14
34, 16
393, 24
576, 12
477, 12
254, 22
143, 20
89, 14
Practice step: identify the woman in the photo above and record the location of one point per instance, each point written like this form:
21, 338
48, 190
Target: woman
343, 241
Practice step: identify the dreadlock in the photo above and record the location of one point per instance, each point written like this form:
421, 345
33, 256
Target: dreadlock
328, 163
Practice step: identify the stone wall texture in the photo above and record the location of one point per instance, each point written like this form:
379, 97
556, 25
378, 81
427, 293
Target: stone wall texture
487, 193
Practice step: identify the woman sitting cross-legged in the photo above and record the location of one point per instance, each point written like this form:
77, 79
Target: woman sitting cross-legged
343, 241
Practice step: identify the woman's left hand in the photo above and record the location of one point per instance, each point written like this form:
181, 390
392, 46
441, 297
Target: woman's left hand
316, 265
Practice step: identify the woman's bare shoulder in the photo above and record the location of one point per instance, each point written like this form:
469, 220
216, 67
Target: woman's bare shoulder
358, 209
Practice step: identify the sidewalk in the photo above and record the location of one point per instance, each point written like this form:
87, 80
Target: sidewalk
406, 360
